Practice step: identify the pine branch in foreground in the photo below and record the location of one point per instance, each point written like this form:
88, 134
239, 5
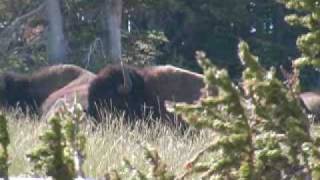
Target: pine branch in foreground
4, 142
260, 132
61, 153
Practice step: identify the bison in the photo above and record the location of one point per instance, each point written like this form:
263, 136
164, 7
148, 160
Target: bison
150, 88
75, 90
30, 91
311, 102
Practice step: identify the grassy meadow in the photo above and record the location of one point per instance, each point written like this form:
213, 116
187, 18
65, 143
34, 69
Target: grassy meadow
108, 144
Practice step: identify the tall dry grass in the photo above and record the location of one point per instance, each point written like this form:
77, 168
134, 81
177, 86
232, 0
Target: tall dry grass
108, 143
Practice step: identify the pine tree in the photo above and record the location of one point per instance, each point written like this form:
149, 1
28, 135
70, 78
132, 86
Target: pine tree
4, 142
260, 131
307, 15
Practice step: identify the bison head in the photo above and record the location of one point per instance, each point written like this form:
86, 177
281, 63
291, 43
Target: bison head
109, 92
13, 91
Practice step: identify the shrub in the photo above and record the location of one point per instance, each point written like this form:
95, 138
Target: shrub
61, 153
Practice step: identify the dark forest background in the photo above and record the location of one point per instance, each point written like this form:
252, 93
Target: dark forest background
152, 32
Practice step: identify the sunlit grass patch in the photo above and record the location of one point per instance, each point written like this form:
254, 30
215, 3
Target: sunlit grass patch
108, 143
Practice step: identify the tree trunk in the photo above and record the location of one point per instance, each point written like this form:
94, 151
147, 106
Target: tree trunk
12, 5
56, 40
112, 16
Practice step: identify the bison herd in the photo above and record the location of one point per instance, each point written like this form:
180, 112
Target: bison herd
149, 89
146, 94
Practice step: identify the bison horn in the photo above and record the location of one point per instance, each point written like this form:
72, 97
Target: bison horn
126, 87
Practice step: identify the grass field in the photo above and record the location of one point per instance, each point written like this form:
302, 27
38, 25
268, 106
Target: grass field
108, 144
111, 142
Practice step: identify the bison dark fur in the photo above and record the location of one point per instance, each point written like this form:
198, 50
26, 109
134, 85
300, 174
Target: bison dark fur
151, 87
29, 91
104, 92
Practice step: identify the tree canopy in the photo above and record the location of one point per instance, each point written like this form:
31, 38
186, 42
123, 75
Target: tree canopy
153, 32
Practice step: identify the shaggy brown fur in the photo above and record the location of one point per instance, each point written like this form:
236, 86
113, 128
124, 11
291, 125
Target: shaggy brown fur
30, 91
152, 86
172, 83
77, 89
104, 92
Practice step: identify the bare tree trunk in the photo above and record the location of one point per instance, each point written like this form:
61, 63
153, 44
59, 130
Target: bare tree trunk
112, 38
12, 5
112, 16
57, 48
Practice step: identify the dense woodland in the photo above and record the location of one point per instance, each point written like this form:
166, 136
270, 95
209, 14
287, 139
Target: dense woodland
152, 32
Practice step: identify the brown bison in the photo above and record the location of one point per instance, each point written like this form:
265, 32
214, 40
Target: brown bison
311, 102
75, 90
150, 87
30, 91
